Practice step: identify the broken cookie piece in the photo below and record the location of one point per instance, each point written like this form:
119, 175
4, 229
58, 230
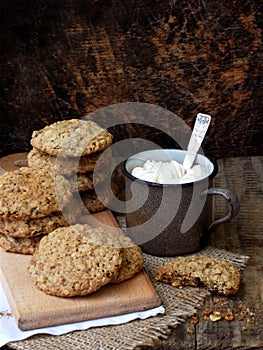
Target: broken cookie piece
199, 270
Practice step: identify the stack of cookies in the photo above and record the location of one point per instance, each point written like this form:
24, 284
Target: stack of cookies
37, 199
78, 260
39, 212
29, 207
72, 148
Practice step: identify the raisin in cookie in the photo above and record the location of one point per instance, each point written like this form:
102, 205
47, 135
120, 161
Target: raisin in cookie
71, 138
215, 274
75, 261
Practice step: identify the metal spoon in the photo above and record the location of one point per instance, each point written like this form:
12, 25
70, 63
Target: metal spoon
200, 128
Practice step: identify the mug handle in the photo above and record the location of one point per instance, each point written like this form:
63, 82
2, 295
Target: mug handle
232, 201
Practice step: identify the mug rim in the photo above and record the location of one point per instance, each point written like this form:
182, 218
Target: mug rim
155, 184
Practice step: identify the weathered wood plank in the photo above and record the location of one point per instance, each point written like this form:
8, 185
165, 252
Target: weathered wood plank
60, 61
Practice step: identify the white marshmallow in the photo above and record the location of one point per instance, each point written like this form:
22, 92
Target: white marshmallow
168, 172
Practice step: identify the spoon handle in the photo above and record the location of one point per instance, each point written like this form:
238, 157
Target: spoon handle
200, 128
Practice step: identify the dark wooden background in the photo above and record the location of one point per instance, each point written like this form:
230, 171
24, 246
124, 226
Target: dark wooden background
64, 59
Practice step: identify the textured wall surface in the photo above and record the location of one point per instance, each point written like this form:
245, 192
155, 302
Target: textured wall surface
63, 59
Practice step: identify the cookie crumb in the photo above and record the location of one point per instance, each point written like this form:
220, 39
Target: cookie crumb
215, 316
190, 330
194, 320
229, 316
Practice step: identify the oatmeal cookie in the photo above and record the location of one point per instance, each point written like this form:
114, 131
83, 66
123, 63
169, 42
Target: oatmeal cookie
32, 227
132, 260
132, 257
29, 193
44, 225
81, 182
215, 274
92, 202
65, 166
71, 138
21, 245
74, 261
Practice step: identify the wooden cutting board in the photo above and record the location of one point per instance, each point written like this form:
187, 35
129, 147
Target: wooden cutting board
33, 308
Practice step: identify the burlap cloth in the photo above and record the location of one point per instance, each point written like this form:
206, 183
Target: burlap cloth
178, 303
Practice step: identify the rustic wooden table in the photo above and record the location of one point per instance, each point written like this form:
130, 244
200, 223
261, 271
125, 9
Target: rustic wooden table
241, 325
240, 321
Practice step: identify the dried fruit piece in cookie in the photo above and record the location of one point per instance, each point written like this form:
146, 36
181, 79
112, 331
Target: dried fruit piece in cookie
74, 261
29, 193
21, 245
71, 138
215, 274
